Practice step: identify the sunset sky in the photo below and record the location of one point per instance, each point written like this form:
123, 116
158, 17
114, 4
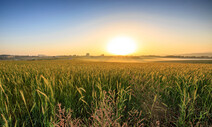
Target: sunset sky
66, 27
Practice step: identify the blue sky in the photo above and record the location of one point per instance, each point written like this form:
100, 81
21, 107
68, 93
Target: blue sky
76, 27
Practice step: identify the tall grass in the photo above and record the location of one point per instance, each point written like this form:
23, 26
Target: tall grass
167, 94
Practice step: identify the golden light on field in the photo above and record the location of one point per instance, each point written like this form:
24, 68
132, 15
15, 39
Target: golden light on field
121, 46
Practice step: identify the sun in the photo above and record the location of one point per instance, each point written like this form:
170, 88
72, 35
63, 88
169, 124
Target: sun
121, 46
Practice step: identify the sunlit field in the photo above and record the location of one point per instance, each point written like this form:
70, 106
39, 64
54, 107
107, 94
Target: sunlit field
33, 93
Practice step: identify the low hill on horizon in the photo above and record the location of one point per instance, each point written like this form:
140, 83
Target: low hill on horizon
198, 54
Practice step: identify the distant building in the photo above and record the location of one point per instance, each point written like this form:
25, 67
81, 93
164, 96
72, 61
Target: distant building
41, 55
87, 54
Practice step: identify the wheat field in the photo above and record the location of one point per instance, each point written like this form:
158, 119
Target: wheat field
81, 93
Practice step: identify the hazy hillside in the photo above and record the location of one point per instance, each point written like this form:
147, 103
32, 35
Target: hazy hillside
198, 54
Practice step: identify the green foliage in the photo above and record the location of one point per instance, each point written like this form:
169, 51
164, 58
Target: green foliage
166, 93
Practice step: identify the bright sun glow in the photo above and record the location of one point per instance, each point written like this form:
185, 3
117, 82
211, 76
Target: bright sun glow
121, 46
